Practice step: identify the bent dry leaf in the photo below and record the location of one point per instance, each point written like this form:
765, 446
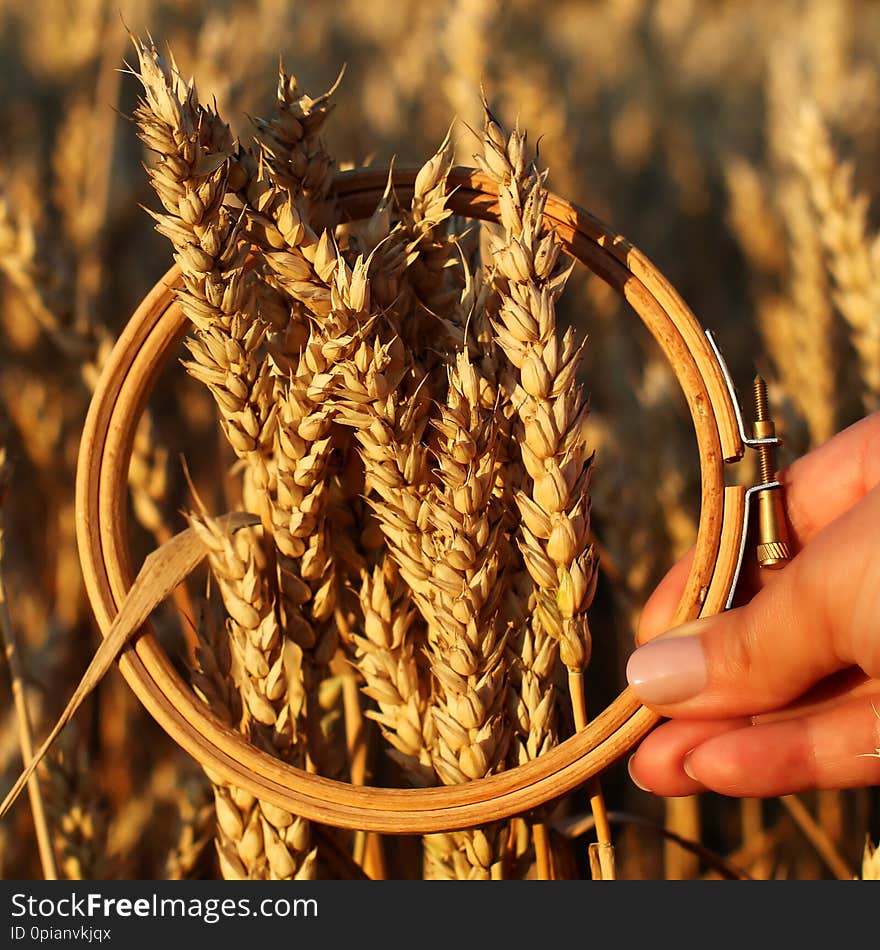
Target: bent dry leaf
165, 568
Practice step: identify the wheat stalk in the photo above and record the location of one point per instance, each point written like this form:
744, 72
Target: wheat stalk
39, 277
22, 714
291, 146
465, 552
256, 839
194, 832
288, 472
552, 413
79, 824
195, 170
437, 528
386, 657
852, 254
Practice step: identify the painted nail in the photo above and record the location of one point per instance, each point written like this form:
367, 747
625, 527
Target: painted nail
669, 669
632, 775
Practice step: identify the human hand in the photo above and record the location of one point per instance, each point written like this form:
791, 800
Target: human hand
781, 694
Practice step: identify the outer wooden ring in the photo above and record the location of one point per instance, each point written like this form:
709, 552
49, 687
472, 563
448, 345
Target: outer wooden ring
151, 338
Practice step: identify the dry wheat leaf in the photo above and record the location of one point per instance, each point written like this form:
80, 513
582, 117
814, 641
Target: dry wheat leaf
163, 569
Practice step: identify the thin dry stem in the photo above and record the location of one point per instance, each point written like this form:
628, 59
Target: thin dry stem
818, 837
16, 673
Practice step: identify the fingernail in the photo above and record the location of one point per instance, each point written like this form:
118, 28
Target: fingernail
690, 629
669, 669
686, 767
632, 775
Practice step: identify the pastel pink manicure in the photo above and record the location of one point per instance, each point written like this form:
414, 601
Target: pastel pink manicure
667, 670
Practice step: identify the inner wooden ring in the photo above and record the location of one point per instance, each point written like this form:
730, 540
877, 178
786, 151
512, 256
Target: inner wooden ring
149, 340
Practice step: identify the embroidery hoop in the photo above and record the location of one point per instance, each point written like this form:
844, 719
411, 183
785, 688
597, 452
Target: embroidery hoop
142, 351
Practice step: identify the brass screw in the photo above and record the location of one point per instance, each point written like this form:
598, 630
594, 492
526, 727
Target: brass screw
774, 548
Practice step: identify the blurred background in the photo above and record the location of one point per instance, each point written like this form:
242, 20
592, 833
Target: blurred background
735, 143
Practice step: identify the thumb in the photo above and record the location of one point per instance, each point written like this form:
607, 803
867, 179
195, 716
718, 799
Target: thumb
818, 615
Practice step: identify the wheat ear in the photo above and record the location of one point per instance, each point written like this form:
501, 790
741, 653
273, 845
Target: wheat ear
291, 145
259, 840
386, 657
196, 168
852, 254
555, 529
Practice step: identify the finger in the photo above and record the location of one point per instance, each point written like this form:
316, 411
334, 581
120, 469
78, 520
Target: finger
658, 764
843, 685
823, 484
819, 487
660, 606
835, 748
819, 615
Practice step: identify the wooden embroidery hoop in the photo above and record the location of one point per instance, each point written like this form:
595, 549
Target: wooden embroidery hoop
149, 340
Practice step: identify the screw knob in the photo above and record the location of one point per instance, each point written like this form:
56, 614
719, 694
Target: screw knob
774, 548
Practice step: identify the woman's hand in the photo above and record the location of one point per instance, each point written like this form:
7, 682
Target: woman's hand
781, 694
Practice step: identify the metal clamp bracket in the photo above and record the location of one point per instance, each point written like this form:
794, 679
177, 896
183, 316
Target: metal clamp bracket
748, 439
773, 548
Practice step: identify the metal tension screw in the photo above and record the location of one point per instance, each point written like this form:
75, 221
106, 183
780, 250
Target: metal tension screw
774, 548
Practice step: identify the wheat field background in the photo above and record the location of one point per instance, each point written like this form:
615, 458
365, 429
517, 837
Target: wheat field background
736, 143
